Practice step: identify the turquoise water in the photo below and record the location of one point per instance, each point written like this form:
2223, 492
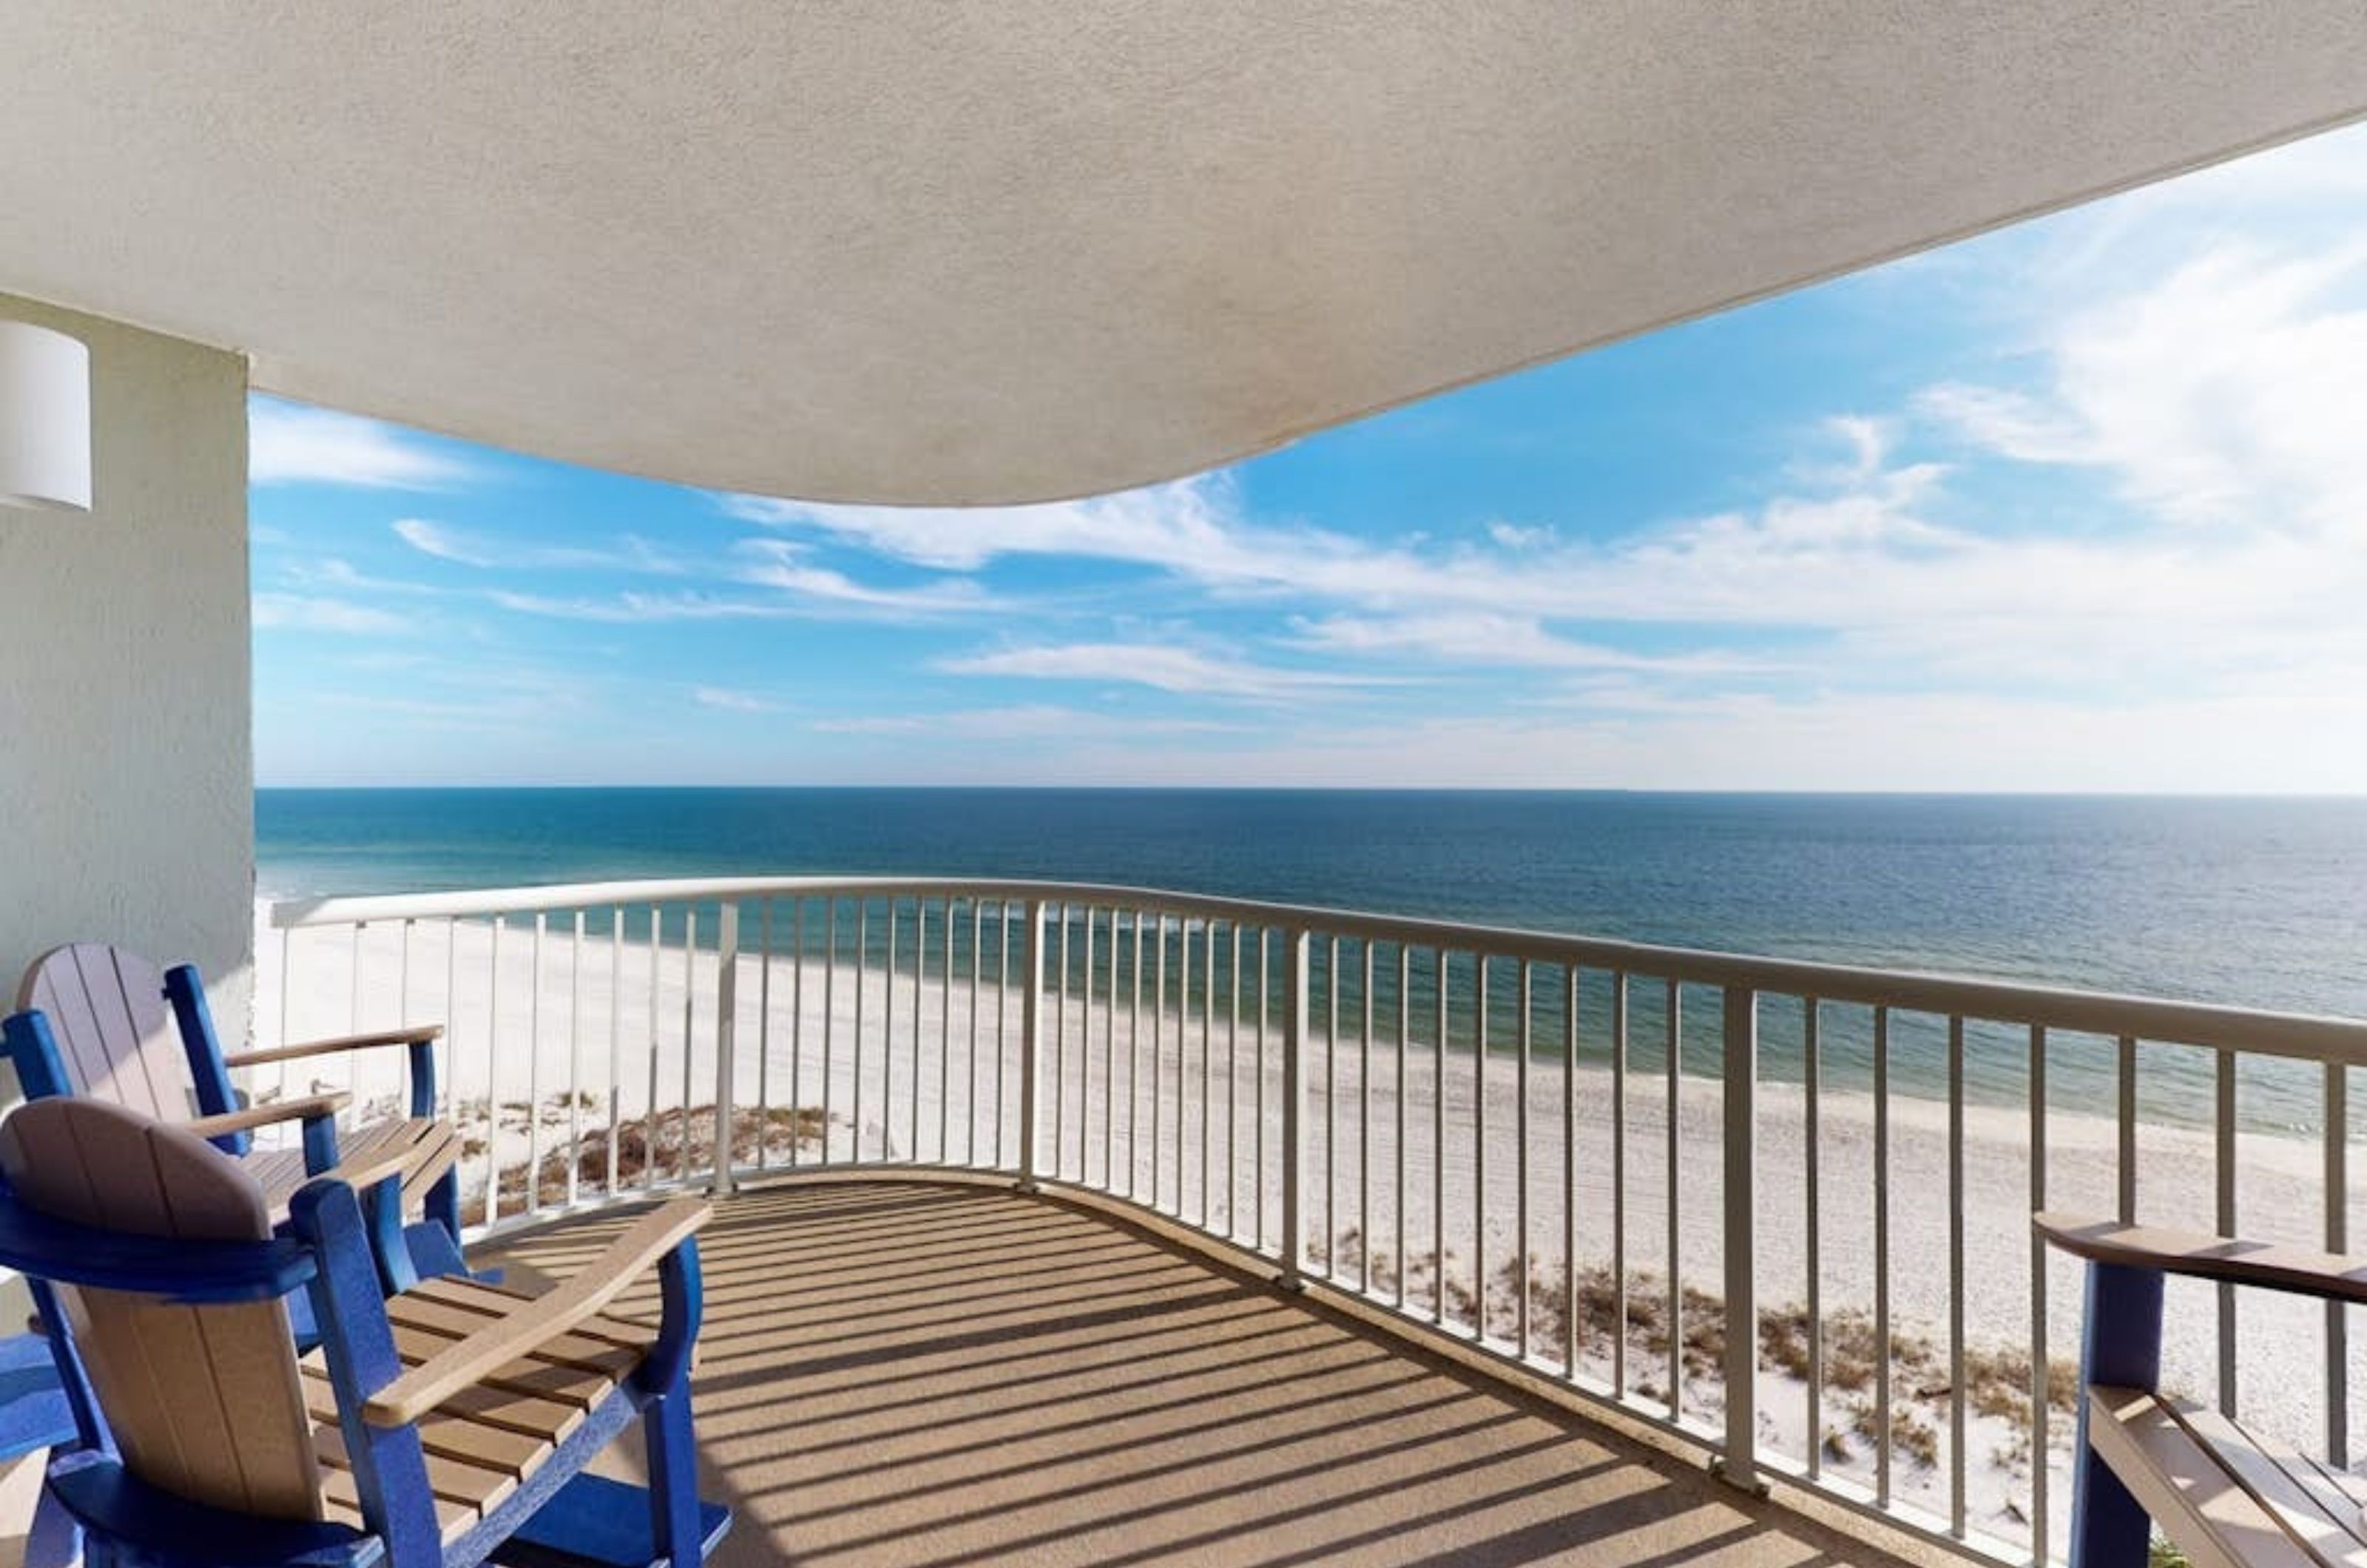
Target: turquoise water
2252, 902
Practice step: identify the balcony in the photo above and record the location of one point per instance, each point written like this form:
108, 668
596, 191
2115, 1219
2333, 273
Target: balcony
1110, 1224
911, 1373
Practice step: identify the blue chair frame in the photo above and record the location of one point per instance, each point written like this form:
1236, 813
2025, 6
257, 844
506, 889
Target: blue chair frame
433, 1242
561, 1516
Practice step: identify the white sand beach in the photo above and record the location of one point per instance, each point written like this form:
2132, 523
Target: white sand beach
614, 1036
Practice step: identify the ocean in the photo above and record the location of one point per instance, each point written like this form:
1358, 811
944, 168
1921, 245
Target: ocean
2253, 902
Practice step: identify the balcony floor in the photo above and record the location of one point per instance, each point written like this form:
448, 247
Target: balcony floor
902, 1373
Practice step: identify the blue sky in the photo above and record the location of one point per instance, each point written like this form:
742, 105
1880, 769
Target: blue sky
2081, 505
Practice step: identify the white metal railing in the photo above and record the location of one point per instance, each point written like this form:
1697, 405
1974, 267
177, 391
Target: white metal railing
1590, 1157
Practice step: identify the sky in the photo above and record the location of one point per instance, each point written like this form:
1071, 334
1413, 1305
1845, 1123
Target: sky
2079, 505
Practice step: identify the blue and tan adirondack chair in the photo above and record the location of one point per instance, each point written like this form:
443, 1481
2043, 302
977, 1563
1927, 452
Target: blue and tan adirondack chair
97, 1020
2222, 1493
446, 1424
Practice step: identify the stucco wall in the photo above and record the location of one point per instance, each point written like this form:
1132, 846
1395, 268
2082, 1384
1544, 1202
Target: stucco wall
126, 760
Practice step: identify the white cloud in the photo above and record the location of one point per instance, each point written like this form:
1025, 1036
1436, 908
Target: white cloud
1020, 722
779, 564
637, 609
1480, 638
295, 612
730, 701
630, 553
289, 444
1164, 667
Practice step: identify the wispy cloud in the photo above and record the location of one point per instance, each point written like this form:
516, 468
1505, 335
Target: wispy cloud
296, 612
730, 701
780, 564
1164, 667
289, 444
1021, 722
630, 553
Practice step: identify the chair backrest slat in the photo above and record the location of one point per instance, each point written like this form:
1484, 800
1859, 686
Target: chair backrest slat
115, 1032
203, 1402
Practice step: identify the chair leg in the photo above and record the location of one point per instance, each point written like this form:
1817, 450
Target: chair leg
673, 1475
2122, 1347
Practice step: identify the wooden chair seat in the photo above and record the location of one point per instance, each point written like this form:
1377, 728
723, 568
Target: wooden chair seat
484, 1443
429, 1148
2227, 1495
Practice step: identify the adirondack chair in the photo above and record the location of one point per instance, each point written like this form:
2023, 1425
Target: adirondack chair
2227, 1495
98, 1020
445, 1426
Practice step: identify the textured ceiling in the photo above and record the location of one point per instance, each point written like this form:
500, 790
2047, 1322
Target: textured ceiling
946, 252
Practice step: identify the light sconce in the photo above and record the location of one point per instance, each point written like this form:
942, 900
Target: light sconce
44, 419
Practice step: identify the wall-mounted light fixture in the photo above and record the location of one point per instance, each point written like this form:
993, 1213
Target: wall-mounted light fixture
44, 419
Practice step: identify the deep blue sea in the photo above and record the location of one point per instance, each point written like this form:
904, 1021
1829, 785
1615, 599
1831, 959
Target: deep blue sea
2257, 902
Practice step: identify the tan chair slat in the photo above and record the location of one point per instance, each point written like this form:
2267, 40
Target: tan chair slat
2282, 1481
204, 1402
473, 1486
448, 1431
492, 1301
432, 1305
113, 1027
342, 1500
551, 1381
2177, 1480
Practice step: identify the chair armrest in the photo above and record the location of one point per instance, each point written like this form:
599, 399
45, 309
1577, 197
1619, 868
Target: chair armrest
588, 1290
424, 1034
2326, 1275
312, 1106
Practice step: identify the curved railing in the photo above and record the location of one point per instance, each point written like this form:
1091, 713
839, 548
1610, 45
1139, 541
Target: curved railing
1581, 1157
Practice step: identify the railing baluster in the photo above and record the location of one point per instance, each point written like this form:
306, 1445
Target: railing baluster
727, 1041
1364, 1132
1438, 1148
1233, 1096
2223, 1156
1569, 1170
533, 1188
798, 1034
1520, 1040
1619, 1183
1811, 1099
1002, 1016
1031, 1031
763, 1033
1405, 1018
1265, 966
1882, 1257
862, 986
829, 1016
920, 976
689, 1023
2128, 1122
1479, 1145
615, 1040
575, 1061
947, 941
1135, 1060
649, 1128
1674, 1018
1183, 1044
977, 940
888, 1043
2039, 1391
1956, 1413
2338, 1240
1207, 1062
492, 1079
1739, 1461
1060, 914
1294, 978
1085, 1074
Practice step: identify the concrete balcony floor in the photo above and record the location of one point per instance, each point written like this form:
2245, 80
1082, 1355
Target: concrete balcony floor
896, 1372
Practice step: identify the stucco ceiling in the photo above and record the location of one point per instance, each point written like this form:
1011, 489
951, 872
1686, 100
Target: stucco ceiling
949, 253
